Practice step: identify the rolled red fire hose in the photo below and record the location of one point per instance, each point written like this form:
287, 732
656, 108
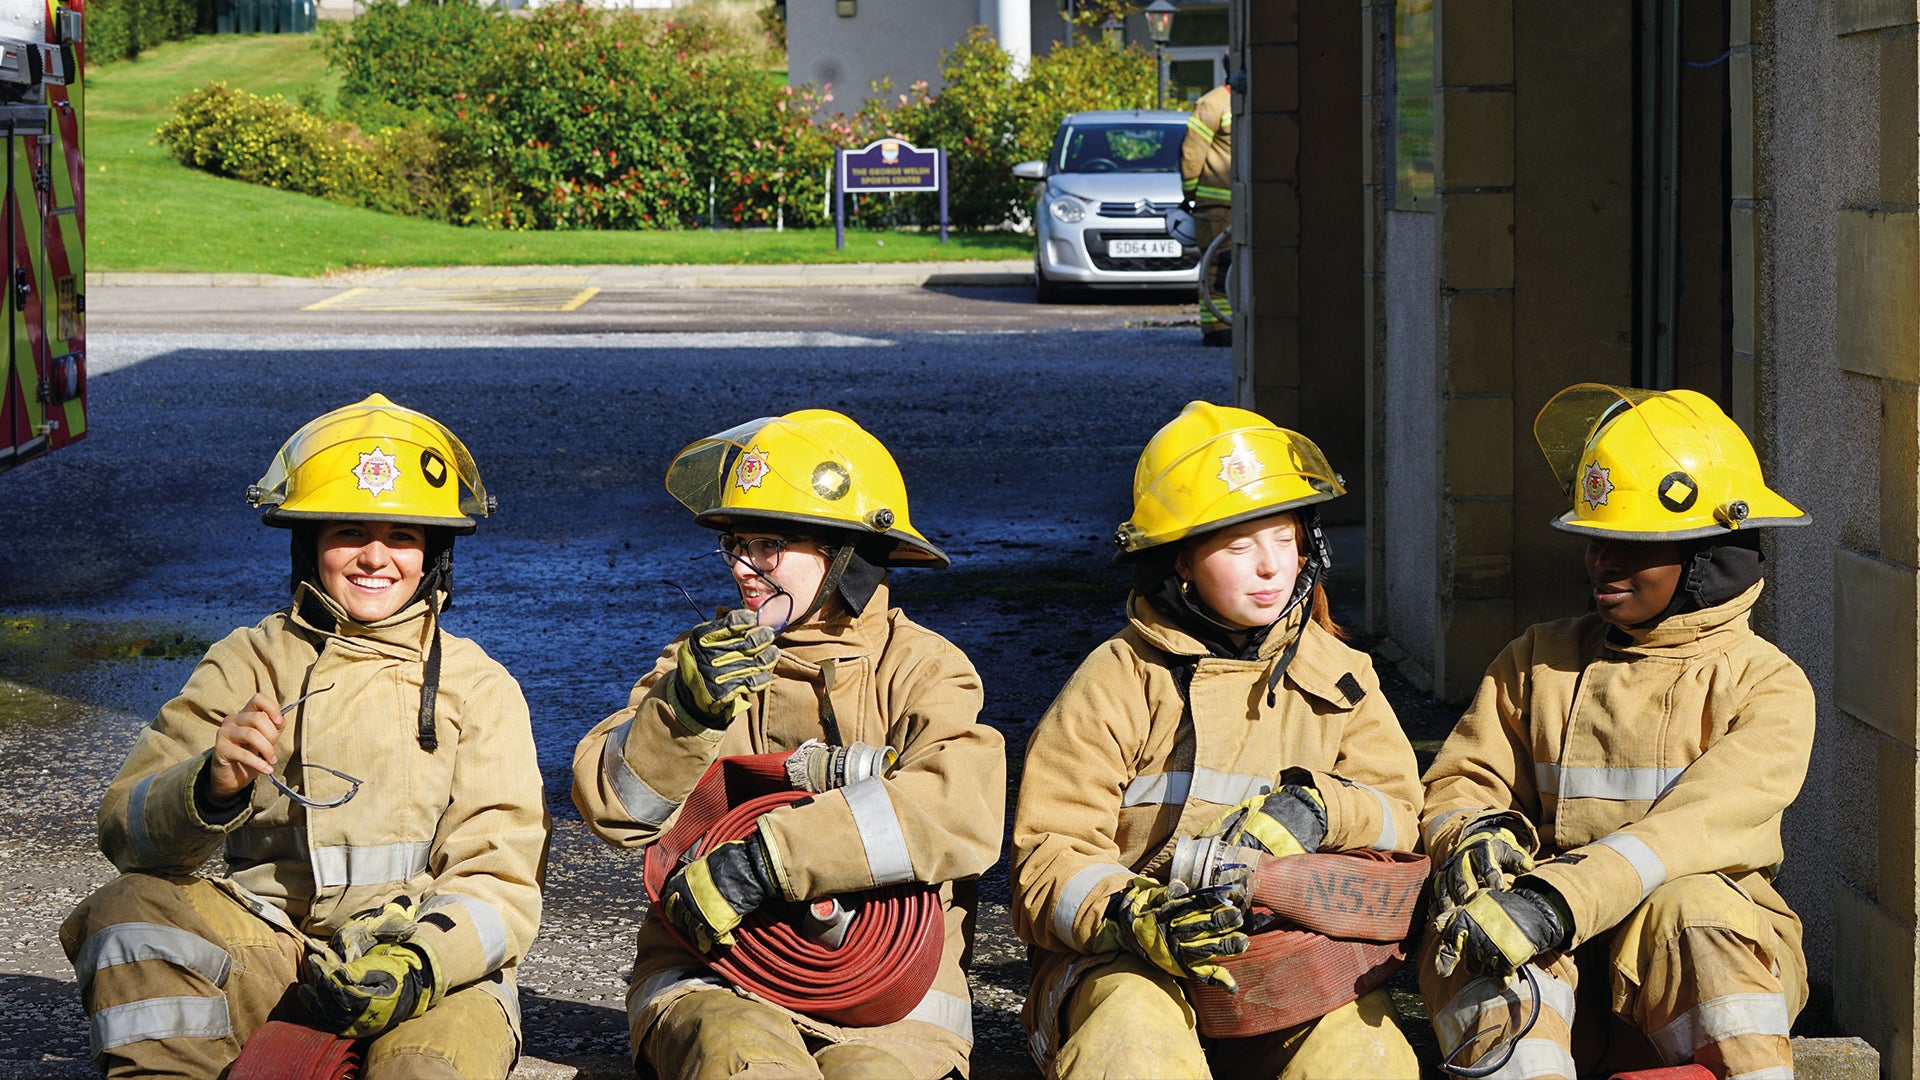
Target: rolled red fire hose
1344, 919
283, 1051
892, 949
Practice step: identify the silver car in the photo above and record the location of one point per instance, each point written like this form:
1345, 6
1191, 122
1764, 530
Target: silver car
1109, 187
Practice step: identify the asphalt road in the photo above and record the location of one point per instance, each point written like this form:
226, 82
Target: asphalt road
1016, 427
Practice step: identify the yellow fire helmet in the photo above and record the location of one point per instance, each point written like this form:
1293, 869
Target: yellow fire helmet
1654, 465
373, 461
812, 467
1214, 466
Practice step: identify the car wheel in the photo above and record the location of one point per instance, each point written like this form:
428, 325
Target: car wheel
1046, 291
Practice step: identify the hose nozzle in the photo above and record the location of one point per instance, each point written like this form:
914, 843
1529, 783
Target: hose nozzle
1201, 862
817, 767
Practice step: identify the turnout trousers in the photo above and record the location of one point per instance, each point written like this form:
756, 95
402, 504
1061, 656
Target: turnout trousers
175, 974
1698, 973
1130, 1019
1208, 222
715, 1033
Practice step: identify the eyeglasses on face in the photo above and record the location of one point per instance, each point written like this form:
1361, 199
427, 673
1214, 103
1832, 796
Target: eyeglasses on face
762, 552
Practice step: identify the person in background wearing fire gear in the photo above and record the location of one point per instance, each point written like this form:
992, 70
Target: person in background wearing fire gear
1227, 705
369, 778
1606, 815
811, 511
1206, 182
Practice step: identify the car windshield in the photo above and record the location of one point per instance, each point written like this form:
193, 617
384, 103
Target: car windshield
1111, 147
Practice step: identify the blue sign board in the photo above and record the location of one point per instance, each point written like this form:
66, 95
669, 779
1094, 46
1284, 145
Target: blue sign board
886, 165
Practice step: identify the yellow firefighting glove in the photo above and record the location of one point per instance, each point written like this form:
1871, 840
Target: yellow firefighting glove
1285, 822
721, 662
708, 897
1496, 932
1489, 855
1180, 932
375, 993
391, 923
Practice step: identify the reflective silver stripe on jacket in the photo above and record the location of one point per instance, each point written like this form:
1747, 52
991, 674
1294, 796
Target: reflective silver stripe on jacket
665, 982
1074, 896
946, 1011
1431, 829
1651, 868
138, 838
1771, 1072
1531, 1057
335, 867
643, 804
1211, 785
487, 923
1718, 1019
1621, 783
160, 1018
1389, 835
131, 942
887, 856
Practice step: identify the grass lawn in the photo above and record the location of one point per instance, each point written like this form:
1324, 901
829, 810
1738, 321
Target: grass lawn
147, 212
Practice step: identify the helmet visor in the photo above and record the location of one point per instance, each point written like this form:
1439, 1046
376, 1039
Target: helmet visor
698, 475
1568, 424
358, 423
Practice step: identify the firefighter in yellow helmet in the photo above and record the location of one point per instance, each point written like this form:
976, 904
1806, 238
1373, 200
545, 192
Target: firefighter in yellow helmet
811, 512
368, 778
1606, 816
1227, 706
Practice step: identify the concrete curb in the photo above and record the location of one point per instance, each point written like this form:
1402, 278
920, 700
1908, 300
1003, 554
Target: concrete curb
991, 273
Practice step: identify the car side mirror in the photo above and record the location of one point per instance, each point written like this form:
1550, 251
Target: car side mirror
1031, 170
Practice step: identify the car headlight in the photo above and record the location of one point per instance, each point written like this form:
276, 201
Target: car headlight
1068, 209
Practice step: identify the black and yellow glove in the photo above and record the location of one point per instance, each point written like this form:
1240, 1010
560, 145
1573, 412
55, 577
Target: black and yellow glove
1489, 855
1496, 932
707, 898
721, 662
1289, 821
391, 923
374, 993
1180, 932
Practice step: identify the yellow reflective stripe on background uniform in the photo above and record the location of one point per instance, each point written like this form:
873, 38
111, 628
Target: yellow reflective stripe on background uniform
487, 923
1074, 896
348, 866
1646, 862
1722, 1018
888, 859
643, 804
1223, 194
1621, 783
1210, 785
132, 942
160, 1018
945, 1011
1194, 124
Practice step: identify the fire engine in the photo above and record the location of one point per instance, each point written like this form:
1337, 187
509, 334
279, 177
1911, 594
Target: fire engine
44, 406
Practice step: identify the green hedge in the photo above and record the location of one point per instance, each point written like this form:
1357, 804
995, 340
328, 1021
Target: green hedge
572, 118
119, 29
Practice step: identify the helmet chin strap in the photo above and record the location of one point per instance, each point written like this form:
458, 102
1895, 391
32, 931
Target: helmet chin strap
829, 585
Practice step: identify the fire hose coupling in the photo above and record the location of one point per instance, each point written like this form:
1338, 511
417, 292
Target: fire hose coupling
1202, 862
817, 767
826, 921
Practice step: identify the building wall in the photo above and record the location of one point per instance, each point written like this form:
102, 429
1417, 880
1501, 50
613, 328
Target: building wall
1405, 442
899, 40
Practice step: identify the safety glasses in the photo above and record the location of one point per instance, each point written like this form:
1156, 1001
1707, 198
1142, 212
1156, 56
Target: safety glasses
303, 800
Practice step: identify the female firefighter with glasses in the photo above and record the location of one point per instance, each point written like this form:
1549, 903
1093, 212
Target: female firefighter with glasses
1227, 712
815, 661
1606, 816
368, 778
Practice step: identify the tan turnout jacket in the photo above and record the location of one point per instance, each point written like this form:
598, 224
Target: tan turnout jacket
1206, 154
1115, 771
937, 820
1640, 755
462, 829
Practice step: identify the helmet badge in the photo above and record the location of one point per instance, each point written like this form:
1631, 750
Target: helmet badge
1596, 485
1240, 469
377, 472
751, 470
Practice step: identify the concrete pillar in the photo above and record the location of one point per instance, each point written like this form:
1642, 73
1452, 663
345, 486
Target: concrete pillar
1376, 49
